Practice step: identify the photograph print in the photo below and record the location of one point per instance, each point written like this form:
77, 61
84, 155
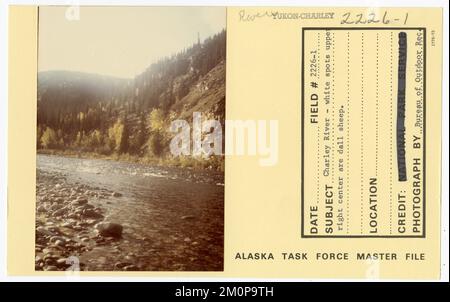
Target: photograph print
126, 179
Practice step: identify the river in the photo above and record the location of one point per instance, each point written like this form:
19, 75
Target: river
172, 218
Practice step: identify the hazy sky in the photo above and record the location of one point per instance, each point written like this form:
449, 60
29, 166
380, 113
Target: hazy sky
120, 41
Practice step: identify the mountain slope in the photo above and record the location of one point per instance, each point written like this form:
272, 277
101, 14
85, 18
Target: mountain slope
87, 112
207, 95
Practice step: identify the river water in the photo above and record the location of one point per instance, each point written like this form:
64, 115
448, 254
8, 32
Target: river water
172, 217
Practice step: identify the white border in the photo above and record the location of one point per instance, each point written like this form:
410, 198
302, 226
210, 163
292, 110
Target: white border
305, 3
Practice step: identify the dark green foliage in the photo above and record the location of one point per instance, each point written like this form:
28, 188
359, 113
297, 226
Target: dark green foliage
124, 144
155, 143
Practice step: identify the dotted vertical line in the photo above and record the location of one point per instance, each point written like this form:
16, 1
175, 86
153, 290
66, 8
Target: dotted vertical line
332, 106
362, 132
377, 105
391, 114
348, 134
318, 124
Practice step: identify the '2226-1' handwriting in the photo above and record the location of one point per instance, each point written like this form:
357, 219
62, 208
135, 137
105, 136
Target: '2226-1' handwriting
371, 18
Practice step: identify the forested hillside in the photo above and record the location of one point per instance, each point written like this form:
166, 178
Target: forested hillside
87, 113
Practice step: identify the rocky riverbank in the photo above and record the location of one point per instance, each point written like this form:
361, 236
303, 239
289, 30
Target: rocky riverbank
68, 224
110, 216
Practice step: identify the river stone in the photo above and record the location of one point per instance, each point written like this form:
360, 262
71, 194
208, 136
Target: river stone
59, 200
62, 262
88, 206
43, 231
130, 268
59, 244
51, 268
91, 221
81, 201
66, 225
53, 228
57, 238
48, 256
92, 214
59, 212
55, 207
109, 229
72, 216
120, 265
